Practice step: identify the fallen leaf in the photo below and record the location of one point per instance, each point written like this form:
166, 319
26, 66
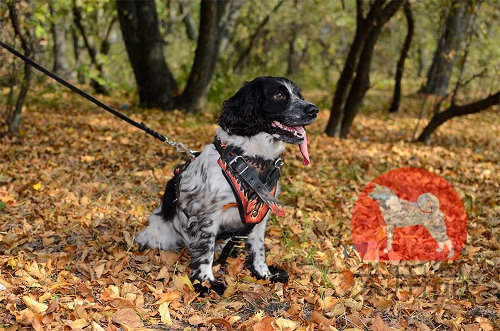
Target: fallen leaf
163, 273
379, 325
318, 318
96, 327
168, 297
195, 319
220, 321
284, 323
34, 305
77, 324
265, 324
181, 280
127, 318
471, 327
165, 313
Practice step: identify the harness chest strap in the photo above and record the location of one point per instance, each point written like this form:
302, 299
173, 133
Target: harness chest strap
254, 196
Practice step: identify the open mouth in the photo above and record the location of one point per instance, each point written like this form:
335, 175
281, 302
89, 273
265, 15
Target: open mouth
294, 135
297, 131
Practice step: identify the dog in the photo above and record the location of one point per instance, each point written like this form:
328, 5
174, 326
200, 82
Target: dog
200, 205
398, 213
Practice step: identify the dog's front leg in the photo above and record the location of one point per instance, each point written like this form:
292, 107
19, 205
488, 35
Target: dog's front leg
257, 256
201, 249
390, 234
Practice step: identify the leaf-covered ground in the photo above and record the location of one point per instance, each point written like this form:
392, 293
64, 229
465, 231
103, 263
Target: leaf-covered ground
80, 184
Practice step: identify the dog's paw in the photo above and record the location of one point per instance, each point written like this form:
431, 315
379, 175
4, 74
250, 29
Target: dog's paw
278, 275
274, 274
143, 240
147, 240
142, 248
216, 286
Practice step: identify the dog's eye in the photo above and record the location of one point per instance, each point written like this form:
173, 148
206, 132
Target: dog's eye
278, 96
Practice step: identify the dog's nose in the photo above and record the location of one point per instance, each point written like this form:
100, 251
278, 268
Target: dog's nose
312, 110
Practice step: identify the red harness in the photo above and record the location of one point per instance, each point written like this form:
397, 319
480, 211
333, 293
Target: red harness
255, 197
254, 182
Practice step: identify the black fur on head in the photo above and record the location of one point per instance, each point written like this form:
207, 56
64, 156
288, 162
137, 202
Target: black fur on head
268, 104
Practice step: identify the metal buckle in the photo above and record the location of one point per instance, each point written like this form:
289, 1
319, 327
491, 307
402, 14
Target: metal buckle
239, 237
279, 163
234, 160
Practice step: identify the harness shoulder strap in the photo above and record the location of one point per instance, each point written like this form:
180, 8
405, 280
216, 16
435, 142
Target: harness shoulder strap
254, 197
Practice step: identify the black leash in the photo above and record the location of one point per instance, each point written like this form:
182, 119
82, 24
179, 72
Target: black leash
142, 126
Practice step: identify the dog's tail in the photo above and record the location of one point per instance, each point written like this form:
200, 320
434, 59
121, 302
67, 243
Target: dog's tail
168, 205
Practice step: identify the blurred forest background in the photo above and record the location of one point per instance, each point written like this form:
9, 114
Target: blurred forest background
182, 54
77, 184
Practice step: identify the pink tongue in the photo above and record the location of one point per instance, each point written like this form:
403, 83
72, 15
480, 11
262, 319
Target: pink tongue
303, 145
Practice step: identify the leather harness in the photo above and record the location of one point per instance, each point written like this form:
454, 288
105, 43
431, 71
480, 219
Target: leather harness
254, 182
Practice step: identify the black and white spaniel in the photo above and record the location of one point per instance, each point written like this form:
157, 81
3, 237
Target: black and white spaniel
199, 208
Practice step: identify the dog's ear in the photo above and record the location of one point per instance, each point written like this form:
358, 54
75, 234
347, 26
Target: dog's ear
241, 113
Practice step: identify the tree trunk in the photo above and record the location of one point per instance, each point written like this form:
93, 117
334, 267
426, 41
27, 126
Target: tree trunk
455, 111
420, 60
361, 82
187, 21
206, 56
348, 87
228, 23
105, 45
80, 78
293, 54
140, 30
396, 99
91, 49
14, 115
438, 76
139, 25
344, 82
14, 119
59, 25
217, 19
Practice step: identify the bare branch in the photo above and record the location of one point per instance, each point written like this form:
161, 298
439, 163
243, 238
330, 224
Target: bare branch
253, 38
456, 111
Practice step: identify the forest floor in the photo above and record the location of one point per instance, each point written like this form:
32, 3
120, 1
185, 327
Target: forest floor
79, 185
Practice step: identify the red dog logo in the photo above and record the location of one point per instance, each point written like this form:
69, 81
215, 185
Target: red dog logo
409, 214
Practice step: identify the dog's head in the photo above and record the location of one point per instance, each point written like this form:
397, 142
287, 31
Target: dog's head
381, 193
273, 105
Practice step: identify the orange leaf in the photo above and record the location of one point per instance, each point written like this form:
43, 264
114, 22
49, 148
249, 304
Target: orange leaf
379, 325
220, 321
